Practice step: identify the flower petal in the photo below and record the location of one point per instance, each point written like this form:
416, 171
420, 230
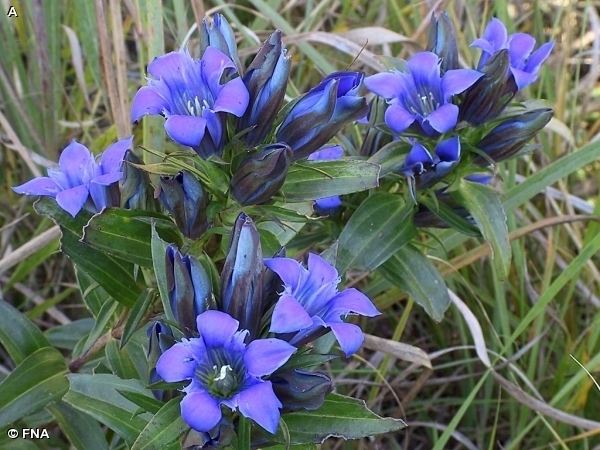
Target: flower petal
147, 101
289, 315
72, 200
522, 78
458, 80
112, 158
327, 153
520, 46
398, 118
538, 57
170, 65
320, 270
216, 327
449, 149
349, 336
425, 68
38, 186
259, 403
213, 63
186, 130
418, 155
233, 98
177, 363
200, 410
77, 163
328, 204
289, 270
108, 178
351, 301
385, 84
495, 33
444, 118
265, 356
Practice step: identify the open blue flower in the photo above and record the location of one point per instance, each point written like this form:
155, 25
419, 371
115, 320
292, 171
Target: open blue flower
79, 175
223, 370
421, 163
190, 95
421, 96
311, 302
327, 205
524, 62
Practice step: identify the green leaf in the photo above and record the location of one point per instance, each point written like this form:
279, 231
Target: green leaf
98, 396
485, 206
150, 404
38, 380
164, 428
19, 336
309, 180
380, 226
82, 431
66, 336
137, 314
126, 234
114, 275
412, 272
339, 416
391, 156
119, 361
159, 248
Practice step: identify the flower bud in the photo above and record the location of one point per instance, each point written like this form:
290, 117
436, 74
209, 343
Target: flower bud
135, 193
185, 199
242, 276
160, 339
300, 389
507, 139
320, 113
266, 80
190, 289
260, 176
486, 99
442, 41
217, 33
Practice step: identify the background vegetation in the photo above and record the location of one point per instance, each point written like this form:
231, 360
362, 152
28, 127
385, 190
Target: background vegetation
68, 69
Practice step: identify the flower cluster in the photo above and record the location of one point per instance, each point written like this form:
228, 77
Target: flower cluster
235, 326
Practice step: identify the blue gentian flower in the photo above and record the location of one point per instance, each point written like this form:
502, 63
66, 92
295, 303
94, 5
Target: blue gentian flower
217, 33
320, 113
79, 175
420, 161
185, 199
192, 97
421, 96
223, 370
327, 205
524, 62
311, 303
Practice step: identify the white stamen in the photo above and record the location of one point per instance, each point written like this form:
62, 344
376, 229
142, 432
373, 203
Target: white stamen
223, 372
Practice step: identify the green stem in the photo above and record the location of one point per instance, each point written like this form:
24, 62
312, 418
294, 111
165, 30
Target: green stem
243, 434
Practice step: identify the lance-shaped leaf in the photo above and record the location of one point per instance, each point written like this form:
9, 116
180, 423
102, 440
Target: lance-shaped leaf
485, 206
309, 180
380, 226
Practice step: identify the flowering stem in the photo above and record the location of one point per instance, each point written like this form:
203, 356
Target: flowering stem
243, 434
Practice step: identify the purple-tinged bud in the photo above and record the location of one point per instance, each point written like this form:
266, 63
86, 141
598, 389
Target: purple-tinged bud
242, 276
190, 289
266, 80
508, 139
442, 41
217, 33
300, 389
486, 99
261, 175
318, 115
135, 185
183, 196
160, 339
